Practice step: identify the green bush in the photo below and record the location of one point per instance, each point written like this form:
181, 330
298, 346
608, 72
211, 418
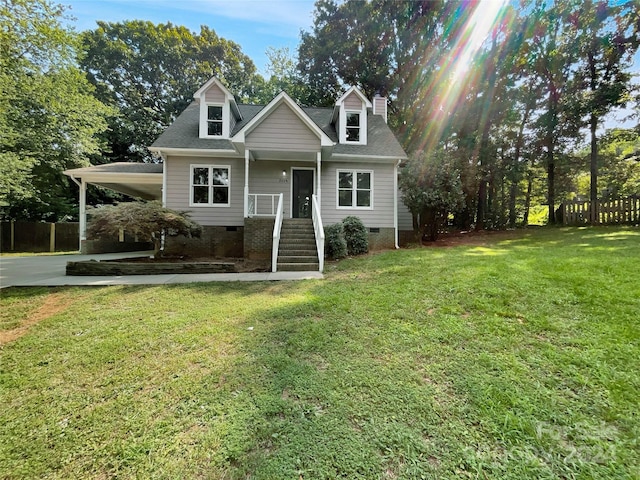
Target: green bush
335, 244
356, 236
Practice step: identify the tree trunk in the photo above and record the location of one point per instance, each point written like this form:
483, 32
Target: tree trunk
594, 216
551, 196
513, 193
527, 201
482, 201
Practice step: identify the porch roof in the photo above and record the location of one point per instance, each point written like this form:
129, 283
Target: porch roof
143, 180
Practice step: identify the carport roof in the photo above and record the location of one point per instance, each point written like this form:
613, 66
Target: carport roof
142, 180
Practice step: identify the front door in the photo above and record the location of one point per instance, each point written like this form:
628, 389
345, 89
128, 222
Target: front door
302, 189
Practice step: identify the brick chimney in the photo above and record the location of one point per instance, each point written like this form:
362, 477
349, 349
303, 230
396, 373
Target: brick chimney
380, 106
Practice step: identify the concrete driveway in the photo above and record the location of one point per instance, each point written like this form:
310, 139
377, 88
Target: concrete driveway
49, 271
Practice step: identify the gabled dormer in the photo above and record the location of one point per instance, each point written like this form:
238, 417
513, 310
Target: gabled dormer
350, 117
218, 110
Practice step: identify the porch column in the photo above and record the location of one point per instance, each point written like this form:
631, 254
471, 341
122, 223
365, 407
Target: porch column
82, 217
319, 162
246, 182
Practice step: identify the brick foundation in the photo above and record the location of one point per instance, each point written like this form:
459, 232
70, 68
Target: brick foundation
213, 242
382, 239
258, 238
405, 237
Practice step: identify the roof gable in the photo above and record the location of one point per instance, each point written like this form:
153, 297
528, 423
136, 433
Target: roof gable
213, 84
282, 99
354, 91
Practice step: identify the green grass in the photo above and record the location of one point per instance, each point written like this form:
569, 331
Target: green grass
513, 359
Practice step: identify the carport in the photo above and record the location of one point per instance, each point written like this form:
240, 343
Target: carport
141, 180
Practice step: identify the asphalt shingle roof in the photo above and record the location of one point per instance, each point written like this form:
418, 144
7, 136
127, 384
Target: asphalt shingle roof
184, 133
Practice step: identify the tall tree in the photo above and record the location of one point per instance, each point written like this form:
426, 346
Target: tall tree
609, 37
149, 73
553, 50
49, 117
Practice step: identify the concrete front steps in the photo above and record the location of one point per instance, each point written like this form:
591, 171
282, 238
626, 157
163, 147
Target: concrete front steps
297, 252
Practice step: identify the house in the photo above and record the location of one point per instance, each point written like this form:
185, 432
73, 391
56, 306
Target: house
259, 178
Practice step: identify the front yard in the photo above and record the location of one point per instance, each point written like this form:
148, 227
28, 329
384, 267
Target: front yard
516, 356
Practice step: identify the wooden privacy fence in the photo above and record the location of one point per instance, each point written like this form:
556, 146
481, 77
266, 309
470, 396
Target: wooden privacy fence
616, 211
39, 237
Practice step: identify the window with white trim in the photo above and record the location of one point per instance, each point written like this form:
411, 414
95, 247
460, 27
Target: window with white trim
353, 126
214, 120
210, 185
355, 189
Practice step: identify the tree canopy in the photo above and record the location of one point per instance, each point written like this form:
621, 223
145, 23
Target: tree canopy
506, 89
49, 116
149, 73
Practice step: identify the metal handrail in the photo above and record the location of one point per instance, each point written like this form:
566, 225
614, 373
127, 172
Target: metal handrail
253, 204
319, 230
276, 233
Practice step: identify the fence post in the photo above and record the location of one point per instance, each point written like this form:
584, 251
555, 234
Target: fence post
12, 230
52, 238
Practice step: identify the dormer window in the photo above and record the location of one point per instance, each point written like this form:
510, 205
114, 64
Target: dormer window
350, 117
353, 127
214, 120
218, 110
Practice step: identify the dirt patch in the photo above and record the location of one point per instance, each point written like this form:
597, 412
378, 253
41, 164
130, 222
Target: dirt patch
482, 237
53, 304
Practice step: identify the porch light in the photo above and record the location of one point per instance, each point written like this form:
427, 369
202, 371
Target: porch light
284, 173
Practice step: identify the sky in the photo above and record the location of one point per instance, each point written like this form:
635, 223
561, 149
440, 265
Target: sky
253, 24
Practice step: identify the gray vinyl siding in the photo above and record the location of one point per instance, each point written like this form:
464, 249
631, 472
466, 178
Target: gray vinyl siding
178, 172
283, 130
382, 213
214, 95
405, 219
266, 177
352, 102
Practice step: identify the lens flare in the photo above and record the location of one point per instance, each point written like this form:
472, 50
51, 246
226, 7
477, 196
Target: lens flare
466, 30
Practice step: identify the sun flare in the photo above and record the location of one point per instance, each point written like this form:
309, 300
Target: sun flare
456, 71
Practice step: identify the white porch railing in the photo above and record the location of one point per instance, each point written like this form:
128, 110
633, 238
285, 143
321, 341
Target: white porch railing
263, 204
276, 233
319, 230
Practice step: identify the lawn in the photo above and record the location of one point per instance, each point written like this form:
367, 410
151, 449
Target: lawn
514, 356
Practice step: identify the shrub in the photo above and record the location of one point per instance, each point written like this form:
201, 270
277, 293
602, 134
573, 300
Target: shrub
356, 236
336, 245
149, 220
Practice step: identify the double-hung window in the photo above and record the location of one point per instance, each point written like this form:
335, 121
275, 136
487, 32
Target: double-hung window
214, 120
210, 185
353, 126
355, 189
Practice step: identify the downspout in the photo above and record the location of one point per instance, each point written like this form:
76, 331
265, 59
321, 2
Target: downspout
395, 201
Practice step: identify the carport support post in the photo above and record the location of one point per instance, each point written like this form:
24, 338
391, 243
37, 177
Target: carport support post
83, 214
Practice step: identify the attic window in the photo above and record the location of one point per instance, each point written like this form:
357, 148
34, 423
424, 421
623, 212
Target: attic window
214, 120
353, 127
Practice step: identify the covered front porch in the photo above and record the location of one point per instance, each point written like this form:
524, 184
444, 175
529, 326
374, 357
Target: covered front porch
285, 185
274, 189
